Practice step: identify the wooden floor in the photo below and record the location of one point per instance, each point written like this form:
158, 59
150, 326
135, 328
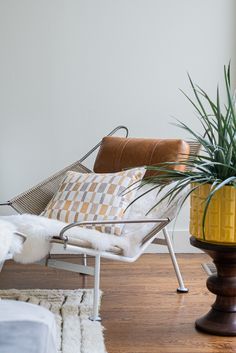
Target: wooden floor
141, 311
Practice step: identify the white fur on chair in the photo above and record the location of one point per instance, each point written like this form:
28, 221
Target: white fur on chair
39, 230
9, 241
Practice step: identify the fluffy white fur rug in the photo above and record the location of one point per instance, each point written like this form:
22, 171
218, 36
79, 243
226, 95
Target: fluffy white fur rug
39, 230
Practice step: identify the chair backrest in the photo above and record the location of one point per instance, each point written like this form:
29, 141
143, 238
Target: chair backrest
117, 153
36, 199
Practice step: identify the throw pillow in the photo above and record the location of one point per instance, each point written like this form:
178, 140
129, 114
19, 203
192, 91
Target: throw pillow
91, 197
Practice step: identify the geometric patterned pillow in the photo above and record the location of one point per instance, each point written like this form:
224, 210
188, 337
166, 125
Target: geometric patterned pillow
91, 197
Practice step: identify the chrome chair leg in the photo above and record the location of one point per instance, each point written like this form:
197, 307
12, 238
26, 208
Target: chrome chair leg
85, 260
181, 288
96, 291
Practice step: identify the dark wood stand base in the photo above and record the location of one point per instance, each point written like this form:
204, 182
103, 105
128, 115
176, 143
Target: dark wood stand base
221, 319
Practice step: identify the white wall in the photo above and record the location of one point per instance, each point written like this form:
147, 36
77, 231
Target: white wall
71, 70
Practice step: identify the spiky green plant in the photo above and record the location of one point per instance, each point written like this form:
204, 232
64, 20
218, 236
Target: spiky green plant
216, 164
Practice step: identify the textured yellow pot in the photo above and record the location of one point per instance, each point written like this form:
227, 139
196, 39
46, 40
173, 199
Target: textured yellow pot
220, 226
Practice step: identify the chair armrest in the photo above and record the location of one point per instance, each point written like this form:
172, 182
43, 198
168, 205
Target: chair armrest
158, 221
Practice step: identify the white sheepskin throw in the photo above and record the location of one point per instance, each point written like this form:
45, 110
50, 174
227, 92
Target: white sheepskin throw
39, 231
9, 241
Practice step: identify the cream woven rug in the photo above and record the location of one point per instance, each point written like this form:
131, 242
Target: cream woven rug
72, 308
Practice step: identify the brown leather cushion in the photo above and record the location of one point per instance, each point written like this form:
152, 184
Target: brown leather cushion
118, 153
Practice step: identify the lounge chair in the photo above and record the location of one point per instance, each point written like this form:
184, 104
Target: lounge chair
35, 200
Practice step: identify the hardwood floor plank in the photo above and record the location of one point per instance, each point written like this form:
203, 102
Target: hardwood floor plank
141, 311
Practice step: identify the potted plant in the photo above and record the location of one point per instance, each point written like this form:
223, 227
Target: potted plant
211, 174
210, 180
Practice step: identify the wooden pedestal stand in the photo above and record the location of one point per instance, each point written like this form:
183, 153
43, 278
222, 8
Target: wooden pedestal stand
221, 319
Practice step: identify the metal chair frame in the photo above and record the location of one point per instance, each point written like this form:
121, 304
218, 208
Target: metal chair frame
43, 192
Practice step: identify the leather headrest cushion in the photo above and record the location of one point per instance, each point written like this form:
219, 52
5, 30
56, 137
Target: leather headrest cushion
118, 153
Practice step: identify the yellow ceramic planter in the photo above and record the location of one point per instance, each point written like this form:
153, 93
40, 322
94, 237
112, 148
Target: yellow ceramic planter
220, 226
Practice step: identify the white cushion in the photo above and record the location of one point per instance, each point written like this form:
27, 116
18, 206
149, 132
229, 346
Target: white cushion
26, 328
